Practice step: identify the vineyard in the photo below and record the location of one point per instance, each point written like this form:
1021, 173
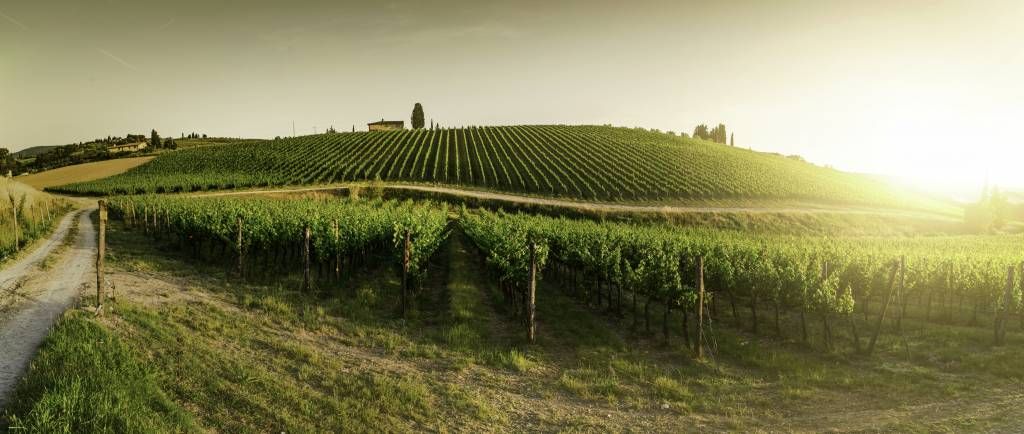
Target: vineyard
940, 279
25, 215
620, 268
271, 236
580, 162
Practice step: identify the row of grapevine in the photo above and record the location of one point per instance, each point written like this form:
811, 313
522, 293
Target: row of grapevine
585, 162
618, 266
812, 278
267, 234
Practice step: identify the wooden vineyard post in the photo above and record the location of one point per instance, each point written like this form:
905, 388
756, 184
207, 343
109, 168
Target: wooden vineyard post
531, 302
1003, 314
101, 248
699, 342
14, 210
241, 254
305, 258
405, 272
885, 307
337, 252
901, 294
825, 315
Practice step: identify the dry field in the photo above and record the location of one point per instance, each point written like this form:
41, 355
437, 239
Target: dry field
82, 172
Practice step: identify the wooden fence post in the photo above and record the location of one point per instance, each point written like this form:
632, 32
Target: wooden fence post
885, 307
305, 258
101, 248
901, 295
14, 210
699, 342
337, 252
531, 302
826, 314
1002, 313
241, 253
405, 271
1020, 311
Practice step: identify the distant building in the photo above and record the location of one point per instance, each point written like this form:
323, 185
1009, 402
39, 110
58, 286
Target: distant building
384, 125
127, 147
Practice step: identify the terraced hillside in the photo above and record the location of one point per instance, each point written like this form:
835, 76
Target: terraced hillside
581, 162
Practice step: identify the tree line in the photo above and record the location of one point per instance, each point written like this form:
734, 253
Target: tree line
716, 134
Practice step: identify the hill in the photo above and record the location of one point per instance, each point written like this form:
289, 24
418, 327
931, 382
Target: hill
578, 162
32, 152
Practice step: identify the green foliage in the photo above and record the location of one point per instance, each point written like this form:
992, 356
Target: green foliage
417, 117
585, 162
337, 227
657, 261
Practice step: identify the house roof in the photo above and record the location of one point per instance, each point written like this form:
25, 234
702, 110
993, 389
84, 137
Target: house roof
384, 122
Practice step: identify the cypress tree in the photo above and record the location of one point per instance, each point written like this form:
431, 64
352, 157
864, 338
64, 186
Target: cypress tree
417, 116
701, 132
154, 140
732, 139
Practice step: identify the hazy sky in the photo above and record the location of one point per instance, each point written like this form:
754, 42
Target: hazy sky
928, 89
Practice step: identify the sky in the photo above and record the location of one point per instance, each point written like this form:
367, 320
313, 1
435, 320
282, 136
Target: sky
930, 91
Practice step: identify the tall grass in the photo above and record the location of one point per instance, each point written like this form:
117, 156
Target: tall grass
37, 213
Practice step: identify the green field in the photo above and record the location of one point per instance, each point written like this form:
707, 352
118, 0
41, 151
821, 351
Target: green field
577, 162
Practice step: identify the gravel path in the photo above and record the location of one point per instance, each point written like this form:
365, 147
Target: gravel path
49, 294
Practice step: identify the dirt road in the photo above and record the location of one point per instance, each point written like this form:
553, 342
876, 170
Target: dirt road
43, 295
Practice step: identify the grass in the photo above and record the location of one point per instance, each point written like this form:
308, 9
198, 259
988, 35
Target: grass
109, 390
82, 172
193, 348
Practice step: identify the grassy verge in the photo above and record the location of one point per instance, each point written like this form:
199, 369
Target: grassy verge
109, 389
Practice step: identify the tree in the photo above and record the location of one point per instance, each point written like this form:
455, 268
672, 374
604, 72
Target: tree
732, 139
4, 153
990, 212
718, 134
154, 140
701, 132
417, 116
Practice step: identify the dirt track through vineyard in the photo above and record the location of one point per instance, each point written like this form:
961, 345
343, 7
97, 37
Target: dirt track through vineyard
43, 295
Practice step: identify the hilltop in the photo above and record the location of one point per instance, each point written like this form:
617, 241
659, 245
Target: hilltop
594, 163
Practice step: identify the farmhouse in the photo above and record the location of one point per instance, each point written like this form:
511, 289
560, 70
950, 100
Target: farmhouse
127, 147
384, 125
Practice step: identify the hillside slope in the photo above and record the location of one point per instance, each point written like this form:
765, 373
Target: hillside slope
32, 152
580, 162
